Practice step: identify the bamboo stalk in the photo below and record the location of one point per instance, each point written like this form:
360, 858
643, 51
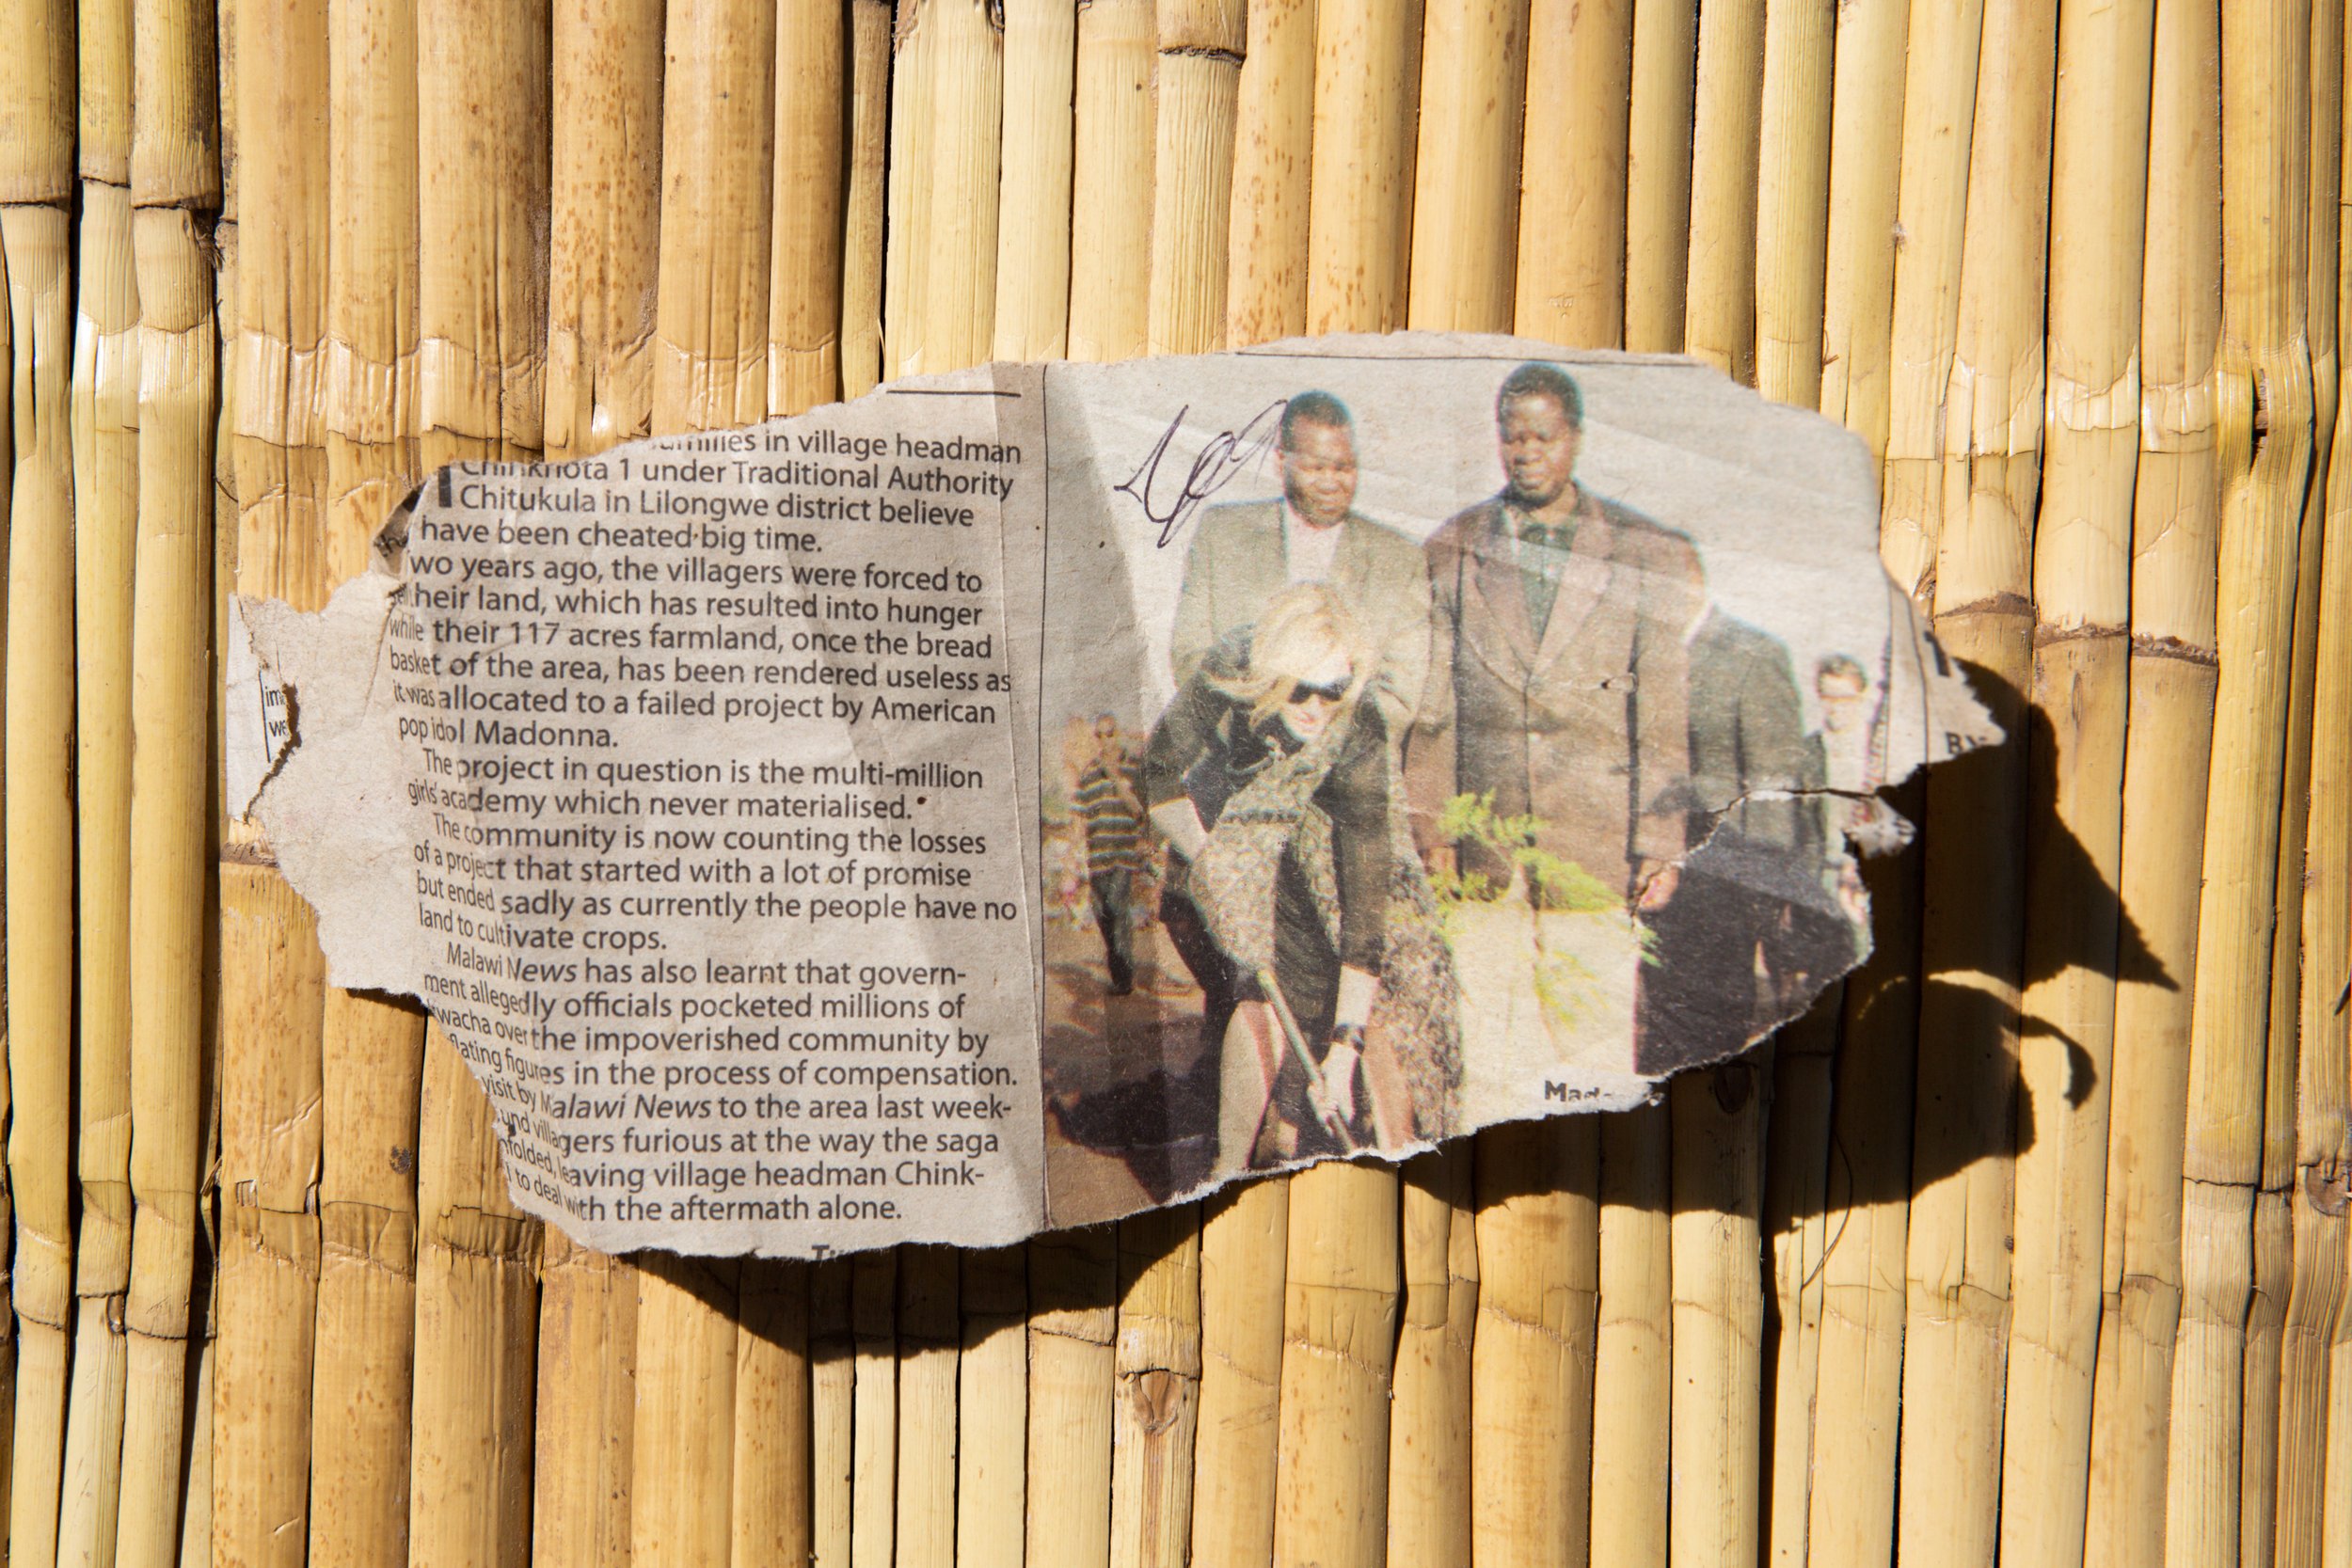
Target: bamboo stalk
1796, 1224
477, 1333
2168, 732
39, 105
1865, 151
36, 243
1939, 114
804, 274
2279, 1271
1570, 228
103, 33
2314, 1461
906, 234
681, 1484
862, 267
1718, 1117
1530, 1361
1073, 1286
1339, 1342
993, 1410
604, 222
831, 1405
1033, 199
271, 1061
1964, 1131
1111, 187
171, 811
1157, 1364
1360, 201
105, 480
1657, 173
771, 1508
483, 131
587, 1405
2265, 109
1858, 1379
929, 1335
1719, 317
960, 274
1201, 45
371, 1052
1243, 1241
604, 256
1633, 1341
2080, 692
1793, 198
1273, 153
1466, 166
874, 1453
1429, 1435
7, 1208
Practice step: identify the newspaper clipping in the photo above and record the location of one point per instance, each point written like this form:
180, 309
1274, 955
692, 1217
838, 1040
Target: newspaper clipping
1023, 796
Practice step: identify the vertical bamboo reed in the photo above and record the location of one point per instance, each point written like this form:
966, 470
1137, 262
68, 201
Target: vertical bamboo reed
2265, 365
1939, 114
2167, 734
1795, 1224
1200, 64
1273, 154
2080, 692
874, 1426
604, 255
271, 1048
1571, 224
1466, 165
1657, 173
1793, 198
1964, 1126
861, 263
7, 1208
1111, 187
993, 1411
371, 1050
1157, 1364
2313, 917
958, 277
929, 1346
804, 266
173, 169
1719, 321
1033, 199
1429, 1434
1633, 1389
105, 480
710, 371
1242, 1235
36, 242
832, 1399
483, 156
914, 45
770, 1511
1865, 153
1530, 1361
1360, 201
604, 245
1073, 1285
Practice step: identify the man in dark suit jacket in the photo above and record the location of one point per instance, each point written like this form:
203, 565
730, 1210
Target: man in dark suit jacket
1558, 664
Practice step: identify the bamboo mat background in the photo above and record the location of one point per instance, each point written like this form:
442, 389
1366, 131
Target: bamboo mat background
2030, 1244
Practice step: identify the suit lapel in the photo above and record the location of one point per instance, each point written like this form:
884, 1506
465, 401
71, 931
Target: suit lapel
1492, 583
1267, 570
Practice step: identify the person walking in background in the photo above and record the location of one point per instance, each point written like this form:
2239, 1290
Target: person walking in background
1245, 552
1754, 902
1107, 804
1558, 664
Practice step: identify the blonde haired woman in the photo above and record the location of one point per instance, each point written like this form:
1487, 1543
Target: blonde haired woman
1295, 897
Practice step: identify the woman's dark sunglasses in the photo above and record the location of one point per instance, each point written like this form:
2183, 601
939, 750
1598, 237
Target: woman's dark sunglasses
1331, 691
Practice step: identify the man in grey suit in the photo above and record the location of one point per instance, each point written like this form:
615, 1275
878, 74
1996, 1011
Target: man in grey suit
1246, 552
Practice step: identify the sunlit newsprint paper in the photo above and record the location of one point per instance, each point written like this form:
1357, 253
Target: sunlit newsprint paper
1023, 796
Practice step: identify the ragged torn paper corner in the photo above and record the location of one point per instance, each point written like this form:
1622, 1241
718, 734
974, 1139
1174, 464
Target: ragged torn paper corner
1023, 796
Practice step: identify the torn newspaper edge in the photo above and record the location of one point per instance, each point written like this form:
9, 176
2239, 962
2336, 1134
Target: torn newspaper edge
1023, 796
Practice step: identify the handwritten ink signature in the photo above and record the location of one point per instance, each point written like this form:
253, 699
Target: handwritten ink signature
1228, 453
